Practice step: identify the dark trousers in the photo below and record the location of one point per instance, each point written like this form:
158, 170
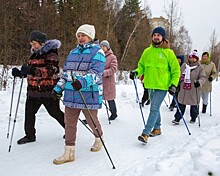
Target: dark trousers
112, 106
194, 112
145, 96
32, 105
173, 104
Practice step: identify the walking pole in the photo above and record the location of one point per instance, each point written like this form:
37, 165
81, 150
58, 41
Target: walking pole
12, 95
198, 107
84, 101
210, 104
139, 102
137, 99
16, 112
177, 105
106, 106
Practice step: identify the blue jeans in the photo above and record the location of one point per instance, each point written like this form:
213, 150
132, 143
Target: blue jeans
154, 118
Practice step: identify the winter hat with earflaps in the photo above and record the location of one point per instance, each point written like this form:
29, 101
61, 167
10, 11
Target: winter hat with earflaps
87, 29
38, 36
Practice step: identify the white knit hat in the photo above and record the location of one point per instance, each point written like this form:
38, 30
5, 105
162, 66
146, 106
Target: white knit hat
87, 29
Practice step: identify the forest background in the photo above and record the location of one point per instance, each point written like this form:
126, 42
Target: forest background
124, 23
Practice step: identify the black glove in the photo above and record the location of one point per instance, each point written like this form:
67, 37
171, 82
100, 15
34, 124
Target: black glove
56, 95
27, 70
133, 74
172, 90
77, 85
210, 79
16, 72
196, 84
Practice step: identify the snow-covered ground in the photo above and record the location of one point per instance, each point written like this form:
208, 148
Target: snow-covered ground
173, 153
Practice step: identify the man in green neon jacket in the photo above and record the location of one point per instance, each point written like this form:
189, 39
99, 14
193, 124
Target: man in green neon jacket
161, 72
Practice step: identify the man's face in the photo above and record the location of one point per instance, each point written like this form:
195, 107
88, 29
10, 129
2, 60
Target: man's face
157, 38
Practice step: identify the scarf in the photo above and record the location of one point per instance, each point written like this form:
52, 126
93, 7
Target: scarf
185, 77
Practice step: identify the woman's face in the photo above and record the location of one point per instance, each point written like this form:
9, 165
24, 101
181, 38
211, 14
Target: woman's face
35, 45
205, 57
83, 38
192, 60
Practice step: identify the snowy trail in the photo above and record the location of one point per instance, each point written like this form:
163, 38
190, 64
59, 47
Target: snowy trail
175, 152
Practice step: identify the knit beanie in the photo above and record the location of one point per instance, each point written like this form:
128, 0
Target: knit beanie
87, 29
194, 54
105, 43
159, 30
38, 36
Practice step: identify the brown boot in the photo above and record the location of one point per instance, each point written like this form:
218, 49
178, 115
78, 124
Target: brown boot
97, 145
68, 156
155, 132
143, 138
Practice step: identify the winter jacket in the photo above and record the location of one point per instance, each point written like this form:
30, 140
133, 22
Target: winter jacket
45, 65
192, 96
85, 63
159, 66
210, 71
109, 88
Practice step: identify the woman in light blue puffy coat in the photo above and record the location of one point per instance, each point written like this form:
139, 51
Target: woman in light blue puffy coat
82, 75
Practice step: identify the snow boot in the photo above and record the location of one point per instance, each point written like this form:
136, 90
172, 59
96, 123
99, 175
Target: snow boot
97, 145
143, 138
176, 122
155, 132
113, 116
68, 156
25, 140
204, 108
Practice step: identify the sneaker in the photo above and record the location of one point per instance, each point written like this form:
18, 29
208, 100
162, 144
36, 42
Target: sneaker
175, 122
143, 138
25, 140
148, 102
155, 132
113, 116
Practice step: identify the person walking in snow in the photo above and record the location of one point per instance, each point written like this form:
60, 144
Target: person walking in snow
180, 59
191, 81
108, 78
82, 80
161, 72
42, 75
210, 71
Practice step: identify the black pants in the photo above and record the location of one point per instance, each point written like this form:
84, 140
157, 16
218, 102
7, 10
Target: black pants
112, 106
145, 96
194, 112
32, 105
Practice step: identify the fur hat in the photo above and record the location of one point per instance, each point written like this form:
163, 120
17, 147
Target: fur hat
105, 43
159, 30
194, 54
87, 29
38, 36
